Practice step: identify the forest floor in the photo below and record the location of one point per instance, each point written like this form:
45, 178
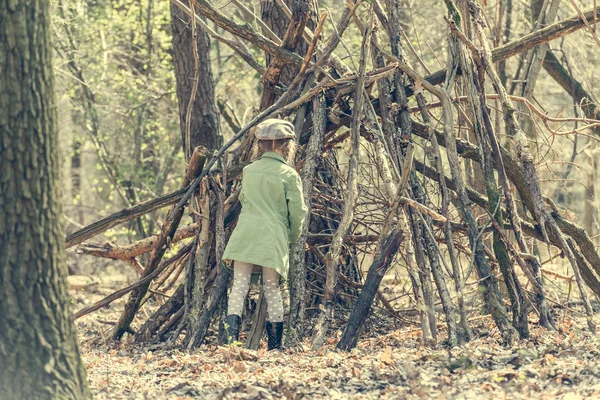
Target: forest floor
549, 365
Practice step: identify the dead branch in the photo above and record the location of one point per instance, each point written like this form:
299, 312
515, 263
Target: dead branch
127, 214
168, 229
125, 253
526, 160
390, 177
351, 194
312, 159
205, 9
529, 41
143, 281
292, 36
574, 88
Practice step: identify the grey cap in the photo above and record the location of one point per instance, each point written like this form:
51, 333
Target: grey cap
274, 129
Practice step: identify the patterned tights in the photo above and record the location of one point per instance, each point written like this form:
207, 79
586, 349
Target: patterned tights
241, 284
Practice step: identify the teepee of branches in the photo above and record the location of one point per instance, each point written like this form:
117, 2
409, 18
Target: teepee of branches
383, 172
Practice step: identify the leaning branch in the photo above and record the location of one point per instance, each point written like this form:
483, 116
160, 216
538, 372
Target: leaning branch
559, 29
143, 281
126, 253
127, 214
236, 47
335, 249
573, 87
167, 232
205, 9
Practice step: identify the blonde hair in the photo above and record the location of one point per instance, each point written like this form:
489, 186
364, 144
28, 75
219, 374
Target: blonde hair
287, 147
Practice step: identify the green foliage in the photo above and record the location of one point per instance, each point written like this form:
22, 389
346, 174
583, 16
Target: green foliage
122, 49
119, 137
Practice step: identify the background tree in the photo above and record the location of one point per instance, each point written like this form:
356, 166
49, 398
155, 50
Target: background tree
117, 107
193, 73
38, 344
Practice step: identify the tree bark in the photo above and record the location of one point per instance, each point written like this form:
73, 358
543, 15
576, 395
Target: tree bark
538, 209
464, 333
205, 129
291, 39
487, 283
214, 296
422, 240
39, 353
161, 316
127, 252
423, 270
473, 78
277, 20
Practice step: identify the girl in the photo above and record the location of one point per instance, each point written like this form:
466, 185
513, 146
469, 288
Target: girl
273, 211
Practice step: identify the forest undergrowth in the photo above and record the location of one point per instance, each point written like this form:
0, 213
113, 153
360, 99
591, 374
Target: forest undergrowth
388, 363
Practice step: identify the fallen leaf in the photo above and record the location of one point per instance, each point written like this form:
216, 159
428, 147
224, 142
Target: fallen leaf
239, 367
387, 357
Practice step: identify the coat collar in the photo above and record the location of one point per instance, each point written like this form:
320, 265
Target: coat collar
275, 156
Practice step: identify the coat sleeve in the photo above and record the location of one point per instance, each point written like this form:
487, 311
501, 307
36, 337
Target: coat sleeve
296, 208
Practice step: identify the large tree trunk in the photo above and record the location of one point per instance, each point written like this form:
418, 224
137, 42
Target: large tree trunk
204, 125
38, 344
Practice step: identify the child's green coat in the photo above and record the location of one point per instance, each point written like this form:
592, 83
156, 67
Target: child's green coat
273, 210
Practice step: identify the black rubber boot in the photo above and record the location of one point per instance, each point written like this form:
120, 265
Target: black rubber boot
233, 328
274, 334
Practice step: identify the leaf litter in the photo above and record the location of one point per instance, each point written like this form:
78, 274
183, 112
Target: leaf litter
562, 365
392, 364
